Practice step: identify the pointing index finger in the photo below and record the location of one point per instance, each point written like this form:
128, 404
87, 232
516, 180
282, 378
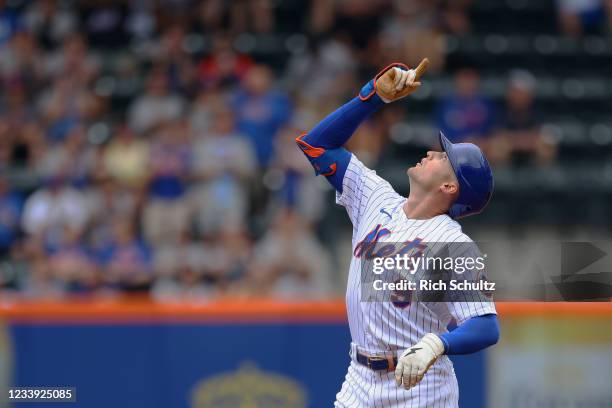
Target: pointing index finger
420, 70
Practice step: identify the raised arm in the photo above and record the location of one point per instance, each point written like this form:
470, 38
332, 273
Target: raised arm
323, 144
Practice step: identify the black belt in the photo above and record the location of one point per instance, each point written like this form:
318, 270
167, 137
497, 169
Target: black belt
377, 363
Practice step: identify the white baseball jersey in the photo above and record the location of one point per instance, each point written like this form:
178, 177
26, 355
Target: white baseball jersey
385, 327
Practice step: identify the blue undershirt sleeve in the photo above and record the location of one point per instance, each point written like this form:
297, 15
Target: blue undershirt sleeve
323, 144
337, 128
474, 335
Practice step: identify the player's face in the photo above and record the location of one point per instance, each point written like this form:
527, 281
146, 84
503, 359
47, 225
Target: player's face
432, 172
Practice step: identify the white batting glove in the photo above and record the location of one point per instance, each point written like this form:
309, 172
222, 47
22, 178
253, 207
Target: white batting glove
416, 360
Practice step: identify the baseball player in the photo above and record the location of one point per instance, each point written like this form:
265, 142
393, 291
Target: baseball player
399, 348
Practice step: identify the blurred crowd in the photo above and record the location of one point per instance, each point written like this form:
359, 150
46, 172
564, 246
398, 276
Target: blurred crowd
144, 149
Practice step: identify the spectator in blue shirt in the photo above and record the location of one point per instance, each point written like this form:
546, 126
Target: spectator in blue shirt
261, 111
166, 213
466, 115
127, 260
71, 266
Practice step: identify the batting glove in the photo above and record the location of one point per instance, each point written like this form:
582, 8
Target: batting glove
416, 360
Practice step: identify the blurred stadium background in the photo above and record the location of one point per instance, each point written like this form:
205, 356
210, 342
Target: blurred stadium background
148, 175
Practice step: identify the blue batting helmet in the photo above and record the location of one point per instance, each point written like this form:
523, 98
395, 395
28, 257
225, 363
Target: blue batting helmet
474, 176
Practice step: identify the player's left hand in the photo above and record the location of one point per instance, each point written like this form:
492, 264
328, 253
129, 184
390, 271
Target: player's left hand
416, 360
397, 82
394, 82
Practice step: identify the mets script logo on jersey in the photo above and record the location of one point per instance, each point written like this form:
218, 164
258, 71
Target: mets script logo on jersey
368, 248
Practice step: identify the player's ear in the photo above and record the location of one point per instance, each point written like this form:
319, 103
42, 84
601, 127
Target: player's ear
450, 188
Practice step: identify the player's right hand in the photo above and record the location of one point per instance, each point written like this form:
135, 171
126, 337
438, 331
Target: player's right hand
416, 360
